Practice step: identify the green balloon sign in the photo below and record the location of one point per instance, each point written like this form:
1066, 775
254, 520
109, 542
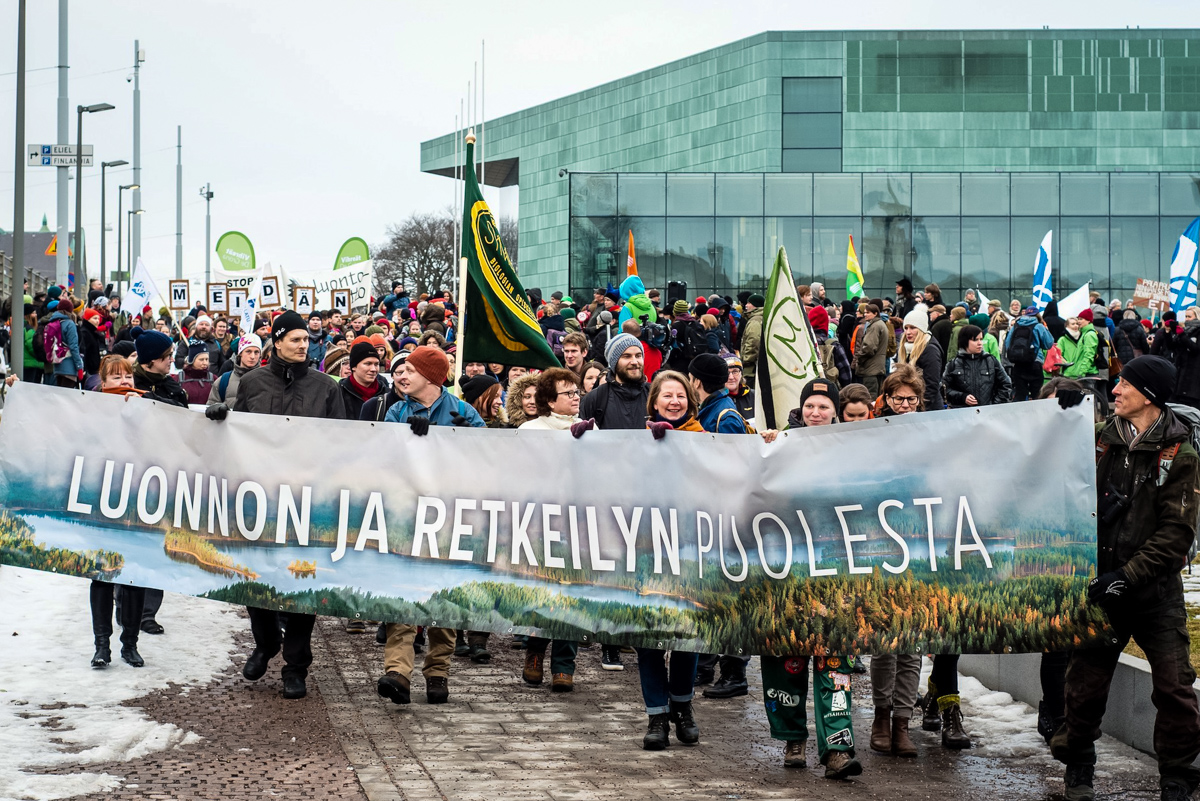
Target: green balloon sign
235, 252
353, 251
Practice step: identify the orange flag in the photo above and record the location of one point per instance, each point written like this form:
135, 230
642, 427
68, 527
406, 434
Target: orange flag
631, 260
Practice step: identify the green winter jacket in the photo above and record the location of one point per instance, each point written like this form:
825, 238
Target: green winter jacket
1080, 353
31, 362
991, 344
1149, 541
752, 322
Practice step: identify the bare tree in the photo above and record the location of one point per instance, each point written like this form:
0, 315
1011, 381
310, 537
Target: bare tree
420, 253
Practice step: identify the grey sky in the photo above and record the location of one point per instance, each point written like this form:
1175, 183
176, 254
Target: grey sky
307, 117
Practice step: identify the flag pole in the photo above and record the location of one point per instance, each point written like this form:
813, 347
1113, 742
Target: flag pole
463, 277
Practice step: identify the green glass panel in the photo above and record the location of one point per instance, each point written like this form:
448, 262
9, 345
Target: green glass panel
739, 194
936, 252
812, 160
649, 237
740, 263
1034, 193
1083, 253
795, 235
593, 195
812, 130
985, 193
690, 194
1134, 242
995, 102
949, 101
837, 195
887, 195
935, 194
1026, 237
593, 255
690, 252
831, 235
1180, 194
788, 195
1134, 193
1084, 193
641, 195
812, 94
985, 243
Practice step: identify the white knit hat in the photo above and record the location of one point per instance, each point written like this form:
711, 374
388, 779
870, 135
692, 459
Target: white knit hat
918, 318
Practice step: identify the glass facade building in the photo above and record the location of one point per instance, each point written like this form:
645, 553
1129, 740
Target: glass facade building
947, 155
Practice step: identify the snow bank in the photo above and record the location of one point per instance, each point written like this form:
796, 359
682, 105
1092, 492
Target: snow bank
56, 710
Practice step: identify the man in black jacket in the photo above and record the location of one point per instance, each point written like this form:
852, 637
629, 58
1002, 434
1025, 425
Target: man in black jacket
286, 386
152, 373
620, 402
363, 383
1147, 484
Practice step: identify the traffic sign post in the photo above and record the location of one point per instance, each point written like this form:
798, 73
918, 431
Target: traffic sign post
58, 155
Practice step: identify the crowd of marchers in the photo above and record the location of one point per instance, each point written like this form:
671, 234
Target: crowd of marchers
629, 360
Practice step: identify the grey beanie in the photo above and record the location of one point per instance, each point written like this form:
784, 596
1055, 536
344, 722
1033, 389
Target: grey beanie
618, 345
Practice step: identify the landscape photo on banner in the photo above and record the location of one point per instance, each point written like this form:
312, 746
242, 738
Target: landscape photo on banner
754, 548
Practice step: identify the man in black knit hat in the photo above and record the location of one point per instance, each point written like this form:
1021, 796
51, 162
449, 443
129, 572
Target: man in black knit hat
1147, 486
286, 386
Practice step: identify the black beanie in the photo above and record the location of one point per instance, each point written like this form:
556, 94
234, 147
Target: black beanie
474, 387
821, 386
711, 369
363, 350
1153, 376
288, 321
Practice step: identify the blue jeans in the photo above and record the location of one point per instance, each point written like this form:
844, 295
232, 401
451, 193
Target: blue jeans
661, 685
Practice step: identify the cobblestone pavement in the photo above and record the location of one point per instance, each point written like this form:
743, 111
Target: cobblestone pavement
498, 738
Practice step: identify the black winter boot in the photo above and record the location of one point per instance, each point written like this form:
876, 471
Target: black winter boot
131, 656
395, 687
954, 736
256, 665
658, 733
931, 719
687, 731
294, 686
103, 655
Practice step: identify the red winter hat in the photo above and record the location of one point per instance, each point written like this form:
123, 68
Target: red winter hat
94, 316
1147, 325
431, 363
1086, 314
819, 318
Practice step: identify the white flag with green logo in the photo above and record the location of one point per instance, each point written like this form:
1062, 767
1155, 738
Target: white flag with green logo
787, 357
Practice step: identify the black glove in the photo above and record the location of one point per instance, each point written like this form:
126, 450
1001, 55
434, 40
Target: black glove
218, 411
419, 425
1107, 590
1068, 398
459, 420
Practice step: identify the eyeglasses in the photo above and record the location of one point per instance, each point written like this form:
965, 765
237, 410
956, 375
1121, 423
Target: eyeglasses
571, 393
904, 400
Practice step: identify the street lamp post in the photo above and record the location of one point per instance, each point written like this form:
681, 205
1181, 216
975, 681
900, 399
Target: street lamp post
129, 245
120, 220
104, 165
206, 193
81, 110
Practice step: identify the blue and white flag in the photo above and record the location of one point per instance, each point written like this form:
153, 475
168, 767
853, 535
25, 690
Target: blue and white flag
1183, 268
1043, 284
141, 289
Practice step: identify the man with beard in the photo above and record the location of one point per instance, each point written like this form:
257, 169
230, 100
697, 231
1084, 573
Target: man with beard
202, 332
285, 386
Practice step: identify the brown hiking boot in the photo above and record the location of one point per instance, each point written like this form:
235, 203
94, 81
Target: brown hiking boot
533, 667
562, 683
953, 735
793, 754
841, 765
902, 744
881, 731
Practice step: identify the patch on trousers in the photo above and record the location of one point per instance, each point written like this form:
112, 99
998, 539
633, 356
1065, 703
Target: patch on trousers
850, 662
841, 681
796, 664
772, 706
839, 702
787, 699
818, 663
833, 662
843, 737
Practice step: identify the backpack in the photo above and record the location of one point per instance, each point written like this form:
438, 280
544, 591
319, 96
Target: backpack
223, 385
749, 428
1101, 358
1022, 349
690, 341
52, 343
828, 363
554, 338
38, 344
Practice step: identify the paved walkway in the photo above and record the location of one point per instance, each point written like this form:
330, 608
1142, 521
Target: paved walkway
500, 739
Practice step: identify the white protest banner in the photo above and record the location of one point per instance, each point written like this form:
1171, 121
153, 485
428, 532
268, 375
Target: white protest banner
141, 289
217, 297
1077, 301
304, 299
733, 553
340, 300
268, 293
357, 278
238, 304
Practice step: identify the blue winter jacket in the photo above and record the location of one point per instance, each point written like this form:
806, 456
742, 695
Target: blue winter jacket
1041, 336
71, 365
711, 417
441, 413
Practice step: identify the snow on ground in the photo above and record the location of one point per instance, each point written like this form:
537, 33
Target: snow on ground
56, 710
1191, 586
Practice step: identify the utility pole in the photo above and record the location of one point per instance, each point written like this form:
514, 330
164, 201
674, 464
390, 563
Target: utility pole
135, 233
207, 194
79, 270
178, 201
16, 344
104, 165
61, 261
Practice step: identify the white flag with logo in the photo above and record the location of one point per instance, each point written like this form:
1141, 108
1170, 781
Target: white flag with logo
141, 289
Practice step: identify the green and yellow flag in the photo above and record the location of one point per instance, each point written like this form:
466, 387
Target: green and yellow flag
854, 275
499, 325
